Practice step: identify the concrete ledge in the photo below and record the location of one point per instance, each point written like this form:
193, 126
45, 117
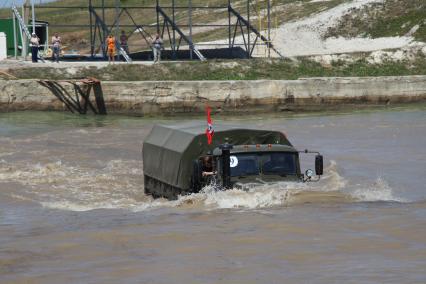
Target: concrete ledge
166, 97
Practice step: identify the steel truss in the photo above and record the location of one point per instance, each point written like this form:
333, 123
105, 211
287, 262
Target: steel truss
171, 32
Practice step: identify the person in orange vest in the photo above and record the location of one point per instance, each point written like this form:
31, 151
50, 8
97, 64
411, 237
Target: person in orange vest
111, 48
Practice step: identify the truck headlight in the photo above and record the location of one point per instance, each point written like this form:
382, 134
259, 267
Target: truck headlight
309, 173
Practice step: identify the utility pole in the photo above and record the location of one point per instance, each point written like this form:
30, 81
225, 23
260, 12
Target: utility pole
15, 38
104, 35
26, 16
229, 27
248, 29
92, 37
269, 29
158, 16
33, 14
117, 27
26, 11
174, 31
190, 27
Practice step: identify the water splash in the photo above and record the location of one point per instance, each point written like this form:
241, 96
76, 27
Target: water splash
378, 191
332, 180
119, 185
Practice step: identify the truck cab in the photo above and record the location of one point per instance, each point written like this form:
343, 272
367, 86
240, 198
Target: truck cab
253, 164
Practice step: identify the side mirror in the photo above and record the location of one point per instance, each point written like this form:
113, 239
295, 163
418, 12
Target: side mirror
319, 165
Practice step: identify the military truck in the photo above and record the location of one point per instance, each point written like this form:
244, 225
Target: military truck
177, 159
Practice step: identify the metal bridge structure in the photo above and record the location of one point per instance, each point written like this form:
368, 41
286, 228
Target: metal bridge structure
243, 27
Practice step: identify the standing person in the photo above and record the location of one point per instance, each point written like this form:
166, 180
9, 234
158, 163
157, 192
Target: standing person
123, 41
56, 43
111, 48
34, 43
157, 46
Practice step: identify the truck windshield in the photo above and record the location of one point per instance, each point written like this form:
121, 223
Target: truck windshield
244, 165
281, 163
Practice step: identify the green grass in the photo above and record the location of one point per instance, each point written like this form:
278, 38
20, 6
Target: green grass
230, 70
401, 25
391, 18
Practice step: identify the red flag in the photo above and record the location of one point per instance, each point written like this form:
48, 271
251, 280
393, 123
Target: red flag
209, 130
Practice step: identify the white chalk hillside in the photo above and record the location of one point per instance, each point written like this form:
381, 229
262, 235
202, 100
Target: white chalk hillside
305, 37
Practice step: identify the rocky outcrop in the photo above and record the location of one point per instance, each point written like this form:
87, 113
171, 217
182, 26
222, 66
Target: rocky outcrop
166, 97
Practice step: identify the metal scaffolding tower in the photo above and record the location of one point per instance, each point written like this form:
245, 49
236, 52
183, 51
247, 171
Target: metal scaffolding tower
176, 32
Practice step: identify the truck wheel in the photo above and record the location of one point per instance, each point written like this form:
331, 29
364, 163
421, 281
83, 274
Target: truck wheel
145, 185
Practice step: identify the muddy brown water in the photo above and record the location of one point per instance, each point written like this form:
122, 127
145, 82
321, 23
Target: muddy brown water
72, 208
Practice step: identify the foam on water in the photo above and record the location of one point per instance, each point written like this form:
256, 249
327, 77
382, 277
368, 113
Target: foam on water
329, 189
119, 185
116, 185
378, 191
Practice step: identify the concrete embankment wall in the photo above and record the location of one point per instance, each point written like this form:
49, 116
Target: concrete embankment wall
165, 97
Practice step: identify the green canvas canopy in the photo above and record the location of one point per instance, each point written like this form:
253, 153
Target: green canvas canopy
169, 150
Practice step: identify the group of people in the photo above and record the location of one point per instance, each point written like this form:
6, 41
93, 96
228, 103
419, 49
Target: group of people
157, 46
35, 45
56, 42
110, 42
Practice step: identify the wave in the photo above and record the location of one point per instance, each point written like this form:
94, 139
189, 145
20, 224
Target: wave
378, 191
118, 185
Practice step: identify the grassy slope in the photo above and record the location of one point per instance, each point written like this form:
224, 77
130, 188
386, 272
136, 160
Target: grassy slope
226, 70
394, 18
391, 18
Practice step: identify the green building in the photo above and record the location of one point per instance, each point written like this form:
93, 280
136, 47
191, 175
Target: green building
6, 26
